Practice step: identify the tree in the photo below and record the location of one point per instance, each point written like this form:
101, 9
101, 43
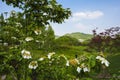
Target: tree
49, 39
66, 42
11, 32
109, 40
41, 11
35, 18
6, 14
2, 21
38, 14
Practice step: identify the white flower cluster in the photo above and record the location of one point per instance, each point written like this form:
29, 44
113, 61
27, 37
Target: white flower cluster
5, 44
33, 65
41, 59
50, 55
13, 37
19, 25
28, 39
83, 67
103, 60
67, 63
26, 54
37, 32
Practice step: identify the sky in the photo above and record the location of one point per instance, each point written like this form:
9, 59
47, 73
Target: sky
86, 15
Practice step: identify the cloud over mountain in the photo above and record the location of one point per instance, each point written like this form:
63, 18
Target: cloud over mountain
87, 15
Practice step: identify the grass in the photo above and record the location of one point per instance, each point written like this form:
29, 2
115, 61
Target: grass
114, 63
69, 52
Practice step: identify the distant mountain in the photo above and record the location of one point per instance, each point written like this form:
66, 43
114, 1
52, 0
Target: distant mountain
80, 36
56, 36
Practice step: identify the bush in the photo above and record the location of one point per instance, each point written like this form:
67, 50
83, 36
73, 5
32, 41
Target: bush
66, 42
53, 67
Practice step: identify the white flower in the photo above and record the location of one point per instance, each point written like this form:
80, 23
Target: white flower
50, 6
105, 62
67, 63
98, 57
29, 39
50, 54
33, 65
85, 69
77, 79
26, 54
18, 25
53, 59
13, 37
79, 69
5, 44
41, 59
0, 40
37, 41
37, 32
44, 14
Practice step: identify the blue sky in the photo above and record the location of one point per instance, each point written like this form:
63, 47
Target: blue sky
86, 15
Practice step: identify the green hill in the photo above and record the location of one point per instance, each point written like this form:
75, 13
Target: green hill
79, 35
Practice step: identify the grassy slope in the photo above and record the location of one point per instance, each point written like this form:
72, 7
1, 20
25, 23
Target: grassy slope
79, 35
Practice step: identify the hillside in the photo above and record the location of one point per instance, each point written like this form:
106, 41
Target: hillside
79, 35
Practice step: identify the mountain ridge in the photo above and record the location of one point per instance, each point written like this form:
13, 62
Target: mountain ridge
79, 35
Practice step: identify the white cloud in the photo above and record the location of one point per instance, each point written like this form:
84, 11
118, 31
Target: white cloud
87, 15
79, 22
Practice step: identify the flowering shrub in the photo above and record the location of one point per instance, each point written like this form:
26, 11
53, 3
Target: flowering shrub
56, 67
19, 63
52, 66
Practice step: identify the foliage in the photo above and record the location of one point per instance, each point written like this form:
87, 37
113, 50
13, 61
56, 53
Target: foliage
35, 22
41, 12
106, 41
23, 33
49, 39
52, 66
66, 41
2, 20
14, 32
114, 67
